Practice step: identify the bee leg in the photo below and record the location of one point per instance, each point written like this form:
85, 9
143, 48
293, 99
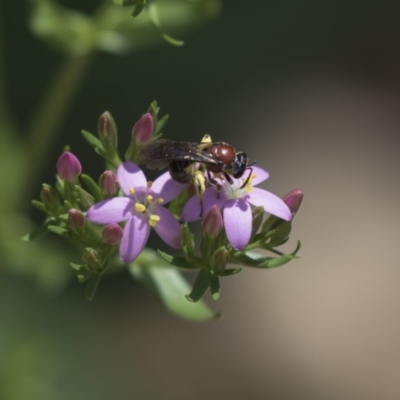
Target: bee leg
199, 182
213, 182
228, 178
247, 179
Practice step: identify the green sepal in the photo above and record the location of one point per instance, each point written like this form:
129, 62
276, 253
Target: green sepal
231, 271
39, 231
200, 286
94, 142
159, 125
219, 259
177, 204
215, 286
169, 286
86, 200
92, 284
258, 215
39, 205
82, 272
281, 234
67, 205
178, 262
93, 187
58, 230
187, 242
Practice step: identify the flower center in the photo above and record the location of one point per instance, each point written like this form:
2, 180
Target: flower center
144, 203
236, 190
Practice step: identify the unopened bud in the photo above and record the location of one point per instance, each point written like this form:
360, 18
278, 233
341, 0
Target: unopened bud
107, 131
219, 259
50, 198
108, 184
143, 129
293, 200
68, 166
112, 234
212, 223
76, 220
91, 258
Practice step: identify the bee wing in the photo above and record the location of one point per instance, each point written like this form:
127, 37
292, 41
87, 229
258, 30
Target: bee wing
159, 153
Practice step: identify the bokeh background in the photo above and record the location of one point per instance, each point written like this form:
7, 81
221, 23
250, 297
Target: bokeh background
312, 91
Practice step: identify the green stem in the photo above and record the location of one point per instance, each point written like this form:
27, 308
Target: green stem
49, 116
53, 109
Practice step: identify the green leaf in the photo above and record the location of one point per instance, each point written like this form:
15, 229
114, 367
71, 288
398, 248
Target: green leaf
200, 286
93, 141
160, 124
93, 187
178, 262
169, 285
138, 9
255, 260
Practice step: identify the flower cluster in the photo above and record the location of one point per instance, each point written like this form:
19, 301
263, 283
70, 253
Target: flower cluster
115, 214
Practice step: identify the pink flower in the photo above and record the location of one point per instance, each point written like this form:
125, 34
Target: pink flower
236, 202
141, 208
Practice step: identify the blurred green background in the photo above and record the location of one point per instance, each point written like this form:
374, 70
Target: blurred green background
309, 89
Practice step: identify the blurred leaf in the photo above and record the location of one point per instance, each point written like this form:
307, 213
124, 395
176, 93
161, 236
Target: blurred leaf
124, 3
154, 18
92, 186
67, 30
120, 33
178, 262
93, 140
169, 285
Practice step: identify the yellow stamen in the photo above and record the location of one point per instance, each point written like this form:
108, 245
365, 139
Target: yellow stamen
149, 184
154, 219
131, 191
160, 200
139, 207
150, 198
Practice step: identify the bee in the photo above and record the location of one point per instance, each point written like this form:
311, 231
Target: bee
188, 162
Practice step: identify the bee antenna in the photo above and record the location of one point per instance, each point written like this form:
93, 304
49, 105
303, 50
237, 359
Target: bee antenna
253, 163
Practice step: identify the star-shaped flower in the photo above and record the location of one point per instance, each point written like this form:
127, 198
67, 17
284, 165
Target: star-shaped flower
141, 208
235, 202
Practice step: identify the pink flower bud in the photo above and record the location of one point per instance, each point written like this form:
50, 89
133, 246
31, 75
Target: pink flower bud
76, 220
68, 167
143, 129
107, 131
108, 184
112, 234
212, 223
293, 200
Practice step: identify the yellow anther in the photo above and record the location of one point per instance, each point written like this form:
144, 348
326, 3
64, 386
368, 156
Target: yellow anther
131, 191
139, 207
154, 219
160, 200
149, 184
150, 198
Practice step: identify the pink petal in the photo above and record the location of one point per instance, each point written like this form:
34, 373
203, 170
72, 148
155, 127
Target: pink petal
136, 233
238, 223
130, 176
260, 175
168, 228
192, 209
272, 204
116, 209
164, 186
